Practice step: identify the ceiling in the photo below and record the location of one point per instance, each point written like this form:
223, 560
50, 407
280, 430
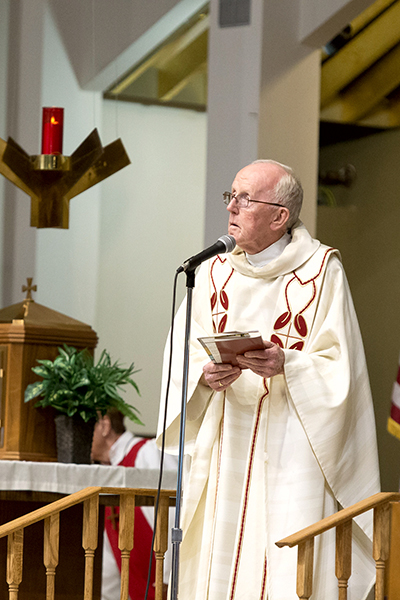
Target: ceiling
360, 73
175, 73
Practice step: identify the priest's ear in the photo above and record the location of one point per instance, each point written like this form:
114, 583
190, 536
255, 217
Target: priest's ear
104, 424
280, 218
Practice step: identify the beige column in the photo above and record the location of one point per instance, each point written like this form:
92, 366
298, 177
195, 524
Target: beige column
288, 128
234, 66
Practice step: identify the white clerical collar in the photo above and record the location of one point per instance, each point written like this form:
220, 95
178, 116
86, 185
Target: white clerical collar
121, 447
273, 251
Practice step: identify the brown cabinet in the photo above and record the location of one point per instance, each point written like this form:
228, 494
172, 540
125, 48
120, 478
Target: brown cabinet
31, 331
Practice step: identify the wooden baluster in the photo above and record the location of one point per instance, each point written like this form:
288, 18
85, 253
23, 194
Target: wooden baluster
343, 557
15, 548
89, 540
161, 544
125, 538
381, 544
305, 566
392, 578
51, 545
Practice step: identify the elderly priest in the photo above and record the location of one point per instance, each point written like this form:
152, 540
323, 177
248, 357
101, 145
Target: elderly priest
287, 436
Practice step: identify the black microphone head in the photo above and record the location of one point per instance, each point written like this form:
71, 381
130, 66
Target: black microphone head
228, 241
225, 243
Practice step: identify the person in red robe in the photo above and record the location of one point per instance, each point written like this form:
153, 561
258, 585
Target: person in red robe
113, 445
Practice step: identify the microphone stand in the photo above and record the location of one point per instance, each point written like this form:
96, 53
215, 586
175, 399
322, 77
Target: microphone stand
176, 533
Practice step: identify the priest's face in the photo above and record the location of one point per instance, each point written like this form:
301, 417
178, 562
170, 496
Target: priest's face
259, 225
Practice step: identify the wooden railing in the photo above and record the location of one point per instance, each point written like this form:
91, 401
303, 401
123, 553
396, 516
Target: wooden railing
50, 515
342, 521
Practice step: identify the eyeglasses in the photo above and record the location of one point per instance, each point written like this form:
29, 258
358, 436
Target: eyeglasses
243, 200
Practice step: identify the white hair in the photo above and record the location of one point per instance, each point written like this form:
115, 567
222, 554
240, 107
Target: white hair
288, 191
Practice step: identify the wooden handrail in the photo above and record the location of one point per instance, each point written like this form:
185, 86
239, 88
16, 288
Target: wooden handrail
50, 515
336, 519
342, 521
72, 500
47, 511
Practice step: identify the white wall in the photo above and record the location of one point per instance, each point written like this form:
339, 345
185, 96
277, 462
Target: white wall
67, 260
36, 73
152, 219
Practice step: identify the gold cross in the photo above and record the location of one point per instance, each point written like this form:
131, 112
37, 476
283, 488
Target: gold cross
29, 288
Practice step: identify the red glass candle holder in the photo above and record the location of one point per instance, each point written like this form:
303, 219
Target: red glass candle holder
52, 130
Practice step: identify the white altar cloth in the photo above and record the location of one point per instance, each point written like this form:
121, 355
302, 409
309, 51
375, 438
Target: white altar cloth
67, 478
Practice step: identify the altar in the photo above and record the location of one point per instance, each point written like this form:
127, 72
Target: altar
26, 486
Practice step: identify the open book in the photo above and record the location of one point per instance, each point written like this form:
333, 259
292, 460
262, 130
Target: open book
224, 347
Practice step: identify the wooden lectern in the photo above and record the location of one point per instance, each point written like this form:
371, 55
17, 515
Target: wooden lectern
31, 331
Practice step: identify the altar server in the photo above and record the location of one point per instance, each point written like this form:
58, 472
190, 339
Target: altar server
114, 445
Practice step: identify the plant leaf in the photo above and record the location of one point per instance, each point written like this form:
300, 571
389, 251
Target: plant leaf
74, 384
33, 390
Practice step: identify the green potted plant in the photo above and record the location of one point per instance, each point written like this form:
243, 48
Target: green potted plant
79, 389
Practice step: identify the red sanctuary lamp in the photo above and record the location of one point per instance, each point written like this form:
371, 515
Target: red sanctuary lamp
52, 130
52, 179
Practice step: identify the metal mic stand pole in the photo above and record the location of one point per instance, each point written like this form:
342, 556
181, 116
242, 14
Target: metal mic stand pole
176, 533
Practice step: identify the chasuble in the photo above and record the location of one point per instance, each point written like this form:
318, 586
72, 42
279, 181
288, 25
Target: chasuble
268, 457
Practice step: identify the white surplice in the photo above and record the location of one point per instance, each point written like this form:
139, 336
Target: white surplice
271, 456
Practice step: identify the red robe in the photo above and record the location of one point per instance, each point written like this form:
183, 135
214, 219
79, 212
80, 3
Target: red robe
142, 538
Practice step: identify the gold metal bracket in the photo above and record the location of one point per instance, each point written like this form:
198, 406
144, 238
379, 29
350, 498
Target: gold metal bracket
52, 180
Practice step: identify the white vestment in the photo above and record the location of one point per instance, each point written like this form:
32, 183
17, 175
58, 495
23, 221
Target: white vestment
269, 457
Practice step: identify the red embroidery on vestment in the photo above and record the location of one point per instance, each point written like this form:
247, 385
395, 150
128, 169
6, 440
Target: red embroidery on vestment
247, 490
219, 301
264, 581
296, 326
283, 320
276, 340
222, 324
218, 473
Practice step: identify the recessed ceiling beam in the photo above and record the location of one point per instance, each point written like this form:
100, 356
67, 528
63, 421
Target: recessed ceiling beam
360, 53
183, 65
165, 53
367, 91
200, 28
174, 91
363, 20
369, 14
386, 114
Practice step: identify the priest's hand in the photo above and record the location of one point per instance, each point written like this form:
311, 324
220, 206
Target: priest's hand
219, 376
266, 363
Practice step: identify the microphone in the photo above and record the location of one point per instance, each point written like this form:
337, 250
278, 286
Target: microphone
225, 243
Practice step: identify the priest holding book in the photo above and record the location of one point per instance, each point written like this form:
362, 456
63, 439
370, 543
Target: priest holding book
287, 436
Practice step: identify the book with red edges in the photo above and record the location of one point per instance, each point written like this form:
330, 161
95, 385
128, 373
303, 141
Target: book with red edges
224, 347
